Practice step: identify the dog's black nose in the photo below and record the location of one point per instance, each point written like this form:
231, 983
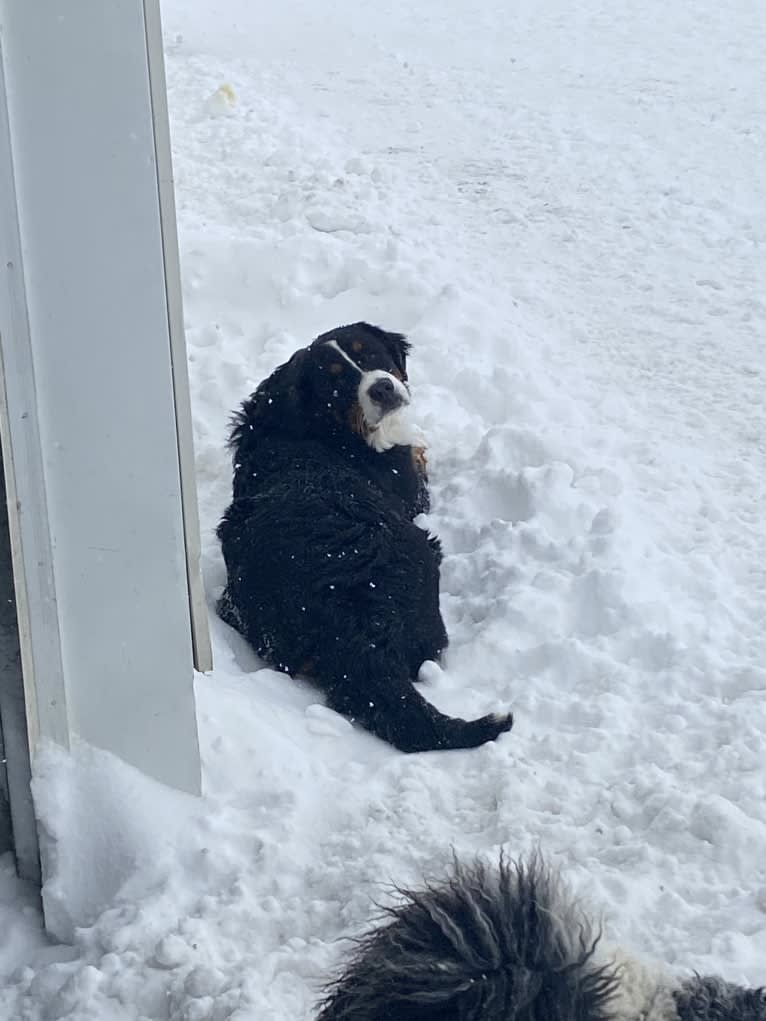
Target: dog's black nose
384, 393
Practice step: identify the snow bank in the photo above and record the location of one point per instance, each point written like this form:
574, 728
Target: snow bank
101, 821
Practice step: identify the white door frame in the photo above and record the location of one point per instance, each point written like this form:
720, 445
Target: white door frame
94, 398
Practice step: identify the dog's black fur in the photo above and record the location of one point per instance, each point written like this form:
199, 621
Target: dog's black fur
484, 945
327, 575
509, 944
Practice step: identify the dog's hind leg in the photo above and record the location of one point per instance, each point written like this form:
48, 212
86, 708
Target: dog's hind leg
228, 612
392, 709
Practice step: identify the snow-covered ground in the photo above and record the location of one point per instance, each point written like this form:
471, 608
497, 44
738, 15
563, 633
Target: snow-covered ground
564, 206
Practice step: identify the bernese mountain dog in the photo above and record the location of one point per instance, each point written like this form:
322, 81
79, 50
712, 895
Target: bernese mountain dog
509, 943
327, 575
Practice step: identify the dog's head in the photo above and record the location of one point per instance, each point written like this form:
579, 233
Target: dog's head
351, 379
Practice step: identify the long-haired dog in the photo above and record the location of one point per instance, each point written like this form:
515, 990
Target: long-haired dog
510, 944
327, 575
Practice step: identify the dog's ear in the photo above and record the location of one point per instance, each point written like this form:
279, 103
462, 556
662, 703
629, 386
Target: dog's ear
278, 405
398, 347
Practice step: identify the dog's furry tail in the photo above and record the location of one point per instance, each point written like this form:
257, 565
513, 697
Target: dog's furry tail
487, 944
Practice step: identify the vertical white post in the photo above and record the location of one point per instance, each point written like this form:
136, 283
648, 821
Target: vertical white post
95, 419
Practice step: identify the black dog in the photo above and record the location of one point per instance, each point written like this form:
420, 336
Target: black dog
327, 574
509, 944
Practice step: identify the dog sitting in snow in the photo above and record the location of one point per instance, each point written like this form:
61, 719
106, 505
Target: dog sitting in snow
327, 576
509, 944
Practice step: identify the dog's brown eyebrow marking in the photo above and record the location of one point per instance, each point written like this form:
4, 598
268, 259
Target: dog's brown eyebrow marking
334, 344
357, 346
336, 368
